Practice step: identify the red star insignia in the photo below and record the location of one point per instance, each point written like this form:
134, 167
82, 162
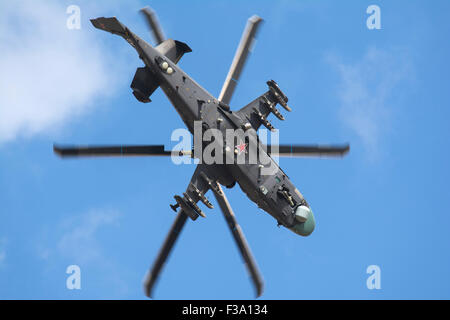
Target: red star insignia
241, 147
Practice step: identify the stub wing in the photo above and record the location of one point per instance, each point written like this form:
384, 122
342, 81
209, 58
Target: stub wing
257, 111
202, 180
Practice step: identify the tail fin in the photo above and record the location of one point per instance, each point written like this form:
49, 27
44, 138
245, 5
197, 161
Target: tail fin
173, 49
144, 82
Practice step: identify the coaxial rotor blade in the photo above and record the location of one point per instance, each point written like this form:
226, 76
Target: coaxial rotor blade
153, 24
295, 150
241, 242
240, 57
174, 232
118, 151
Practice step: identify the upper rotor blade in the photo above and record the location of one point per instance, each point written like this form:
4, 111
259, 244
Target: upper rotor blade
293, 150
171, 238
121, 150
239, 59
239, 237
153, 24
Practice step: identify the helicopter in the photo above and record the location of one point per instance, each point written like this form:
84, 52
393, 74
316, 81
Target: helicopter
240, 157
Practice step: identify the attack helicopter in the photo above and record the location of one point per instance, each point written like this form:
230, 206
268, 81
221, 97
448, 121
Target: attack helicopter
261, 179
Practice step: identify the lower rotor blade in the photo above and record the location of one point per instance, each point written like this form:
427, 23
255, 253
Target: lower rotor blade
171, 238
119, 151
240, 240
293, 150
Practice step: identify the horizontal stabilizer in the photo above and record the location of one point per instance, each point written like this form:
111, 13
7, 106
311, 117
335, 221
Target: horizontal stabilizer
111, 25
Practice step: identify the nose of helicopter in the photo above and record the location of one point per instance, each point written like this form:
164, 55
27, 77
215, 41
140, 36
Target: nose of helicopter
306, 221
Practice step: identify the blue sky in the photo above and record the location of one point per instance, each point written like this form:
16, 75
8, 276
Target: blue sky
386, 203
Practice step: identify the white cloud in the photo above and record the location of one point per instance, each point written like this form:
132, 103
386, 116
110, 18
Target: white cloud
48, 73
78, 241
75, 237
368, 93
